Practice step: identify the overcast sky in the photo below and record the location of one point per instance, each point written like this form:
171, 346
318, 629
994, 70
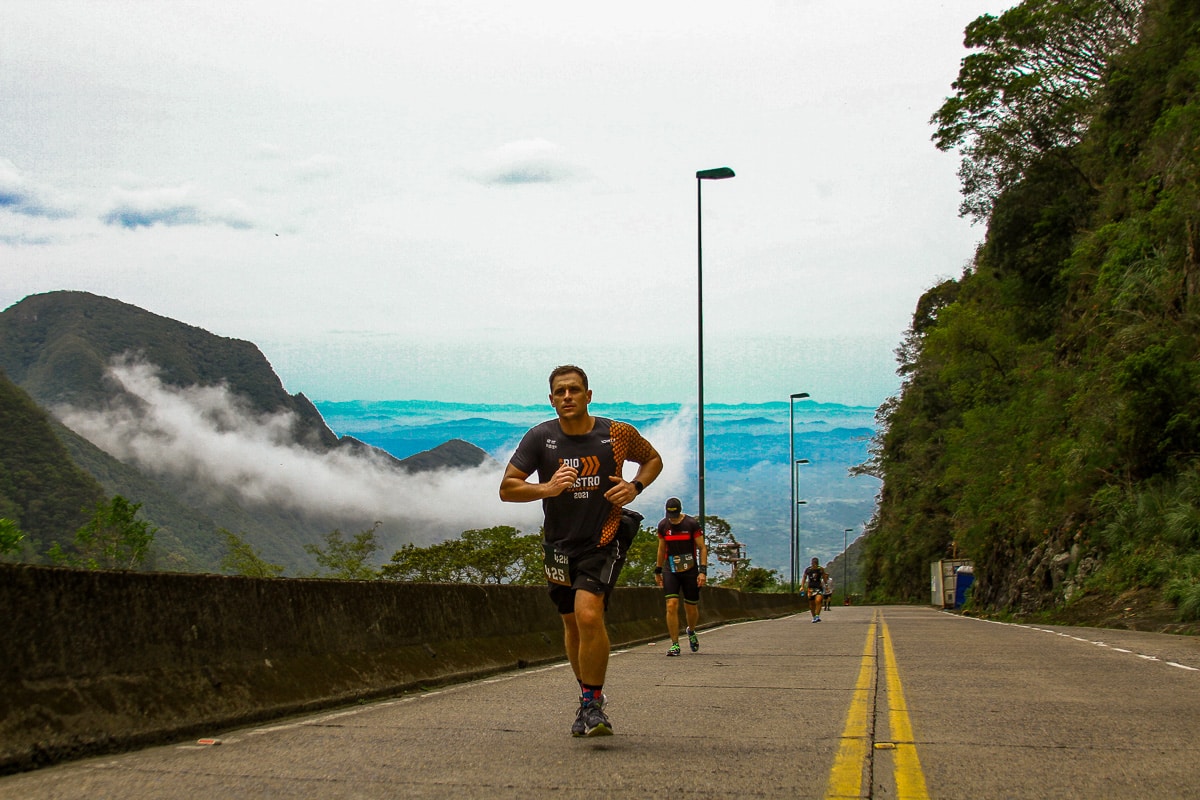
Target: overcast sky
443, 200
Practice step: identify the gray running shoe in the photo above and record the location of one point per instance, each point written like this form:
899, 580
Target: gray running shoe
579, 727
673, 650
595, 721
693, 640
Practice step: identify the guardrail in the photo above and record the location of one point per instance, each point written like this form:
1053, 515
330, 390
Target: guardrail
96, 661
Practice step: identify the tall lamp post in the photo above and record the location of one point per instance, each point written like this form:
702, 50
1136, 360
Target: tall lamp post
796, 568
703, 175
845, 565
792, 468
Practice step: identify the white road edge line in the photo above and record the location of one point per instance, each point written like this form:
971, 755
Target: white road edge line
1076, 638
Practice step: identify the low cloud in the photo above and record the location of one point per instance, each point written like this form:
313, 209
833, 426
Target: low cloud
20, 195
171, 206
208, 435
524, 162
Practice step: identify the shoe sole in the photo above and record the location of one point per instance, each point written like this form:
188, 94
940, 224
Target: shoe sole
600, 730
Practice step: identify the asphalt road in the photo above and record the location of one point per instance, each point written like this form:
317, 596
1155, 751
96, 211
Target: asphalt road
871, 702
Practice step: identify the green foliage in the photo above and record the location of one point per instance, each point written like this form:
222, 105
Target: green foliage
756, 579
641, 559
492, 555
41, 489
1184, 589
1029, 90
10, 537
1050, 405
346, 560
113, 539
242, 559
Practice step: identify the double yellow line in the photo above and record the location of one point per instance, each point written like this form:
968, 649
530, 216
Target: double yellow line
845, 779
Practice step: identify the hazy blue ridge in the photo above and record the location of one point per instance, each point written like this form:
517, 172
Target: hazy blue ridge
746, 457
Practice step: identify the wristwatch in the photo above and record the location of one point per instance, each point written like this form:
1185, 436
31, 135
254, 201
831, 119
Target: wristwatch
638, 486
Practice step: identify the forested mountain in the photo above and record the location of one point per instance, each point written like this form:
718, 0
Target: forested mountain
58, 346
1048, 425
41, 487
59, 349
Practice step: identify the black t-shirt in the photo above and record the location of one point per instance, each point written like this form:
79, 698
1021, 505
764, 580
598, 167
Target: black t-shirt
581, 519
682, 537
814, 578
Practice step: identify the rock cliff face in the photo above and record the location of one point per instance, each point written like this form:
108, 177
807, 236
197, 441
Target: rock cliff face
59, 350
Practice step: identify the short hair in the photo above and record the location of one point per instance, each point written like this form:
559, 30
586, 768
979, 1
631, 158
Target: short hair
567, 369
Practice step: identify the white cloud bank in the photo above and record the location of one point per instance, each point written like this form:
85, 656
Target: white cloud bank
207, 434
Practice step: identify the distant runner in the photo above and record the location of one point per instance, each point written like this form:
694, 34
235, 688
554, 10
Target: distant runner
682, 568
814, 585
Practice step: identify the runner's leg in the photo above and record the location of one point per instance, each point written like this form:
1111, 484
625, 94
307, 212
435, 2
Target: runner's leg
593, 644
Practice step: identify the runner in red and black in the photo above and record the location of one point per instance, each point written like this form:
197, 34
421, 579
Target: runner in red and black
813, 584
682, 568
578, 460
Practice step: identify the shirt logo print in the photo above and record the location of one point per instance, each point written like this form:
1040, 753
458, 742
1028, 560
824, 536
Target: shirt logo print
589, 465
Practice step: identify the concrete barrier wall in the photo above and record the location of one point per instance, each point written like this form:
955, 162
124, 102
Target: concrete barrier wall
94, 662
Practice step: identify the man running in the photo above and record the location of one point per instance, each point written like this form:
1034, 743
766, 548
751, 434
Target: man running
827, 591
814, 584
682, 567
578, 459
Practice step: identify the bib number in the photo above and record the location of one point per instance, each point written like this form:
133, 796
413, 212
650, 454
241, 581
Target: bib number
682, 563
556, 565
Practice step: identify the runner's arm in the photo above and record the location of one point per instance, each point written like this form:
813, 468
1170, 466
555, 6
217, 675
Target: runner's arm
515, 486
623, 492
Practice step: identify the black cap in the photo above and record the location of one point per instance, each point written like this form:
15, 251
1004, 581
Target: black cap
674, 506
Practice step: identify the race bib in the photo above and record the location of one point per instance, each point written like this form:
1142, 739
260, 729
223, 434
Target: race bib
682, 563
556, 565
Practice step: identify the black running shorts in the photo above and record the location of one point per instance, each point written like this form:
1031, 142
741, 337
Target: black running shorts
686, 583
594, 572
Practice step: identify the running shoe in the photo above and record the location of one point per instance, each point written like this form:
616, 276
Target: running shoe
693, 640
673, 650
595, 721
579, 727
816, 619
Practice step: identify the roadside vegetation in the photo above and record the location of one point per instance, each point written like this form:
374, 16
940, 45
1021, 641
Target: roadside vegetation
1048, 426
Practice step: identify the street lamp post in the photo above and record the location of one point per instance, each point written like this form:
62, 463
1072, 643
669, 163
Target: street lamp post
703, 175
792, 468
796, 569
845, 565
796, 540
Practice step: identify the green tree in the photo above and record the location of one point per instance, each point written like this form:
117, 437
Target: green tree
1030, 90
113, 539
242, 559
10, 537
501, 554
346, 560
436, 563
641, 559
758, 579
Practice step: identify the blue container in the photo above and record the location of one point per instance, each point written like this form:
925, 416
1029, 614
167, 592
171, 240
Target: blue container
963, 578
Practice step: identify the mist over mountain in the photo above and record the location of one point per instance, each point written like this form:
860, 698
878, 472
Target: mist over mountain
199, 429
207, 438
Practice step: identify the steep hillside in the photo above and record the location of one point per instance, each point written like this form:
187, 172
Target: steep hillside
41, 488
198, 443
1049, 422
58, 347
